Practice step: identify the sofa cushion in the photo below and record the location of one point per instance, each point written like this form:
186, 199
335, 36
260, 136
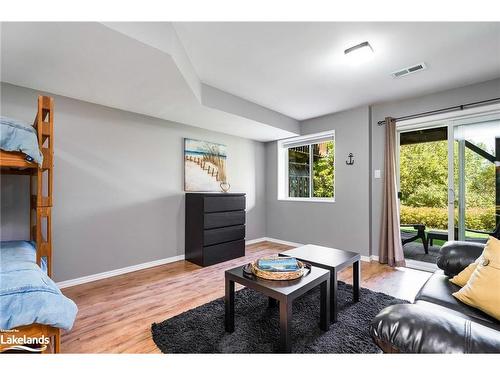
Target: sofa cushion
482, 289
420, 328
438, 290
454, 256
463, 277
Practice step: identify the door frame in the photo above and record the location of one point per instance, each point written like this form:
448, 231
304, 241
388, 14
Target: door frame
451, 194
451, 120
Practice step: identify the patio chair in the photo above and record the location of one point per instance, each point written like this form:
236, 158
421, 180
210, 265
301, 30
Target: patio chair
442, 235
495, 233
407, 237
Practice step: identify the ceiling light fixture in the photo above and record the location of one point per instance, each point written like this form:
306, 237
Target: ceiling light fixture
359, 53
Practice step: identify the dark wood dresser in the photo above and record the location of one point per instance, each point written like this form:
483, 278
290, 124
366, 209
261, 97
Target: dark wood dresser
215, 227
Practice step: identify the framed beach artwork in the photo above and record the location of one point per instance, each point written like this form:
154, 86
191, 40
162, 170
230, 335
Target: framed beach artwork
204, 165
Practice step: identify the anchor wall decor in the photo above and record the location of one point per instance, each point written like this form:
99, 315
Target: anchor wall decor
351, 159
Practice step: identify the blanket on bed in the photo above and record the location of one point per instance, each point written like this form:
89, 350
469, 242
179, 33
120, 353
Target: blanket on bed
16, 135
27, 294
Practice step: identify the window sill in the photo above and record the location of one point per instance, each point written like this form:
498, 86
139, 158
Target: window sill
312, 200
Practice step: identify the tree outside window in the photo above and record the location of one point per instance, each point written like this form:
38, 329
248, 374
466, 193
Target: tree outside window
315, 182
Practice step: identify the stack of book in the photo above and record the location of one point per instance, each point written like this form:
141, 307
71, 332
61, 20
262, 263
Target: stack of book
278, 264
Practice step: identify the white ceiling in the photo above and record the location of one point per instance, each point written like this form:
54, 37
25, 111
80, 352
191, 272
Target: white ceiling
137, 67
253, 80
299, 69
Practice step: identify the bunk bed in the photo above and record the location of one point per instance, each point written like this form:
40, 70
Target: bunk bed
31, 303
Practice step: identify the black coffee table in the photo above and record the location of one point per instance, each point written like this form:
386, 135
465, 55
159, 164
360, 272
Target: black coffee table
333, 260
283, 292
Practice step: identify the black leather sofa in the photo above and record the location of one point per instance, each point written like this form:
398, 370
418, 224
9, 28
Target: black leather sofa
437, 322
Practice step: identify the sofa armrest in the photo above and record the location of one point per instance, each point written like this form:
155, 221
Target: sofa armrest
454, 256
417, 329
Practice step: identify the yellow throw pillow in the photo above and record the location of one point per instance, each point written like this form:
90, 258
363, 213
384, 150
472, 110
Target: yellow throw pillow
482, 291
464, 276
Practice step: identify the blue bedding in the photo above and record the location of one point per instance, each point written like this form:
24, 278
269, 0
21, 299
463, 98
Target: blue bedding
16, 135
27, 294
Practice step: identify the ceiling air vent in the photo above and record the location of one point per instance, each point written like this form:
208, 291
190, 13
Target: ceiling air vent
409, 70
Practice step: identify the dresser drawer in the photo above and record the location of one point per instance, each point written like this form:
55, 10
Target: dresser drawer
224, 219
222, 252
219, 204
215, 236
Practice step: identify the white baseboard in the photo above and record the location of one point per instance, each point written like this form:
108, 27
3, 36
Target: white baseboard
364, 258
119, 271
159, 262
137, 267
257, 240
371, 258
282, 242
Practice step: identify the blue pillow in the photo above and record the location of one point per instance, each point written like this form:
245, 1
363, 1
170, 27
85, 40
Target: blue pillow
16, 135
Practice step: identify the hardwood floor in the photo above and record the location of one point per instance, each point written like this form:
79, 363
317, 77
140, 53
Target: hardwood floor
115, 314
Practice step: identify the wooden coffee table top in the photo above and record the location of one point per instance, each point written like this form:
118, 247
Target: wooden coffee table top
291, 288
323, 256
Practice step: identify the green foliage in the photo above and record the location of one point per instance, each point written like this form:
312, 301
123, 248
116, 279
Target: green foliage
437, 217
424, 176
424, 186
323, 169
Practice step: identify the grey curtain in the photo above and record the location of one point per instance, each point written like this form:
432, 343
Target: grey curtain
391, 250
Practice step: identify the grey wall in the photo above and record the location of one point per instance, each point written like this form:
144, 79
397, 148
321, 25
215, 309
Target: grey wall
463, 95
118, 198
353, 221
344, 223
118, 185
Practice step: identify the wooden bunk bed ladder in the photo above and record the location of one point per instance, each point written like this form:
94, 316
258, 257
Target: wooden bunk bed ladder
41, 184
44, 125
41, 233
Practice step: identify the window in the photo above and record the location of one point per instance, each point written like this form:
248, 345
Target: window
307, 168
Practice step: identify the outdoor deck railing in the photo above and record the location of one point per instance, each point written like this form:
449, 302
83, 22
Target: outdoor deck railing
298, 186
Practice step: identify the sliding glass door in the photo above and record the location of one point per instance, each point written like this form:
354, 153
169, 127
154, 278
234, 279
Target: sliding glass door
476, 149
449, 181
423, 189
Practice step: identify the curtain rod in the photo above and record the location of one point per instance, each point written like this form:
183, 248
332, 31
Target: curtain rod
443, 110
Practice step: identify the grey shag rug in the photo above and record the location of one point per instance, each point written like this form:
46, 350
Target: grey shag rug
201, 330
